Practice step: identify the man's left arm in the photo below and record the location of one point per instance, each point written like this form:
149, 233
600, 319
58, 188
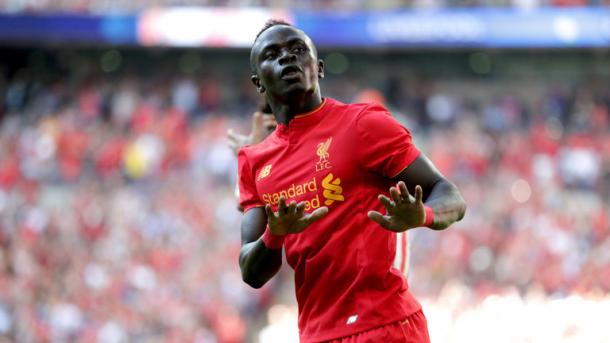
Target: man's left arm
421, 197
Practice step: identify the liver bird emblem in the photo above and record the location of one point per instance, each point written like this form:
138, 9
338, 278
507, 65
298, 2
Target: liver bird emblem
322, 151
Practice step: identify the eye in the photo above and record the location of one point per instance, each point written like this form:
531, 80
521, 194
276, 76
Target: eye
299, 49
269, 55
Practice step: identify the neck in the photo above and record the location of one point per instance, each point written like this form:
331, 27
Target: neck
285, 109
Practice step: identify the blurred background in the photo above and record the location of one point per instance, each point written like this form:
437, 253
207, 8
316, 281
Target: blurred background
118, 221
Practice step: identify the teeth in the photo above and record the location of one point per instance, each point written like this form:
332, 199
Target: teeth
291, 72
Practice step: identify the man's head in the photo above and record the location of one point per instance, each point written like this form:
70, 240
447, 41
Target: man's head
284, 61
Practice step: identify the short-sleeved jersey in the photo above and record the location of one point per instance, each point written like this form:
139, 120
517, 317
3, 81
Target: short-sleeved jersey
341, 156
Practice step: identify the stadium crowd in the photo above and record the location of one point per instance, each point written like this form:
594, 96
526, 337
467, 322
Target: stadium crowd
117, 6
118, 220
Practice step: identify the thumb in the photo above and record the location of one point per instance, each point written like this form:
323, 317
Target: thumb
318, 214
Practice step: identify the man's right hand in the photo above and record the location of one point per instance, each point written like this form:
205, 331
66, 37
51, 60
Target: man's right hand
291, 218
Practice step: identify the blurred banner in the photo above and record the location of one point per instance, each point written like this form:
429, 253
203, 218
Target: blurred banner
462, 28
208, 27
68, 29
236, 27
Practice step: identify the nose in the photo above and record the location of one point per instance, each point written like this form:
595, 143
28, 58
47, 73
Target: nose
287, 57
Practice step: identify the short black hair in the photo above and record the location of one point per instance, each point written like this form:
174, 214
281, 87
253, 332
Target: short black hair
271, 23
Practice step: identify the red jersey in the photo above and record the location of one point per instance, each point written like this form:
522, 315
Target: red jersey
340, 156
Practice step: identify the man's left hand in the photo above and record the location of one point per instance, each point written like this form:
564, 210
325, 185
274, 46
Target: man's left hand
404, 211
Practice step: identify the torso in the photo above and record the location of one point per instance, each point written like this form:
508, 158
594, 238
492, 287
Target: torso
345, 281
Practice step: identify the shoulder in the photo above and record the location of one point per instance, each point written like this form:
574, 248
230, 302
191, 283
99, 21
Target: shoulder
357, 111
371, 114
375, 120
367, 109
253, 152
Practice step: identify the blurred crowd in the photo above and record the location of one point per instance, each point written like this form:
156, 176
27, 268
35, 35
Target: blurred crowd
118, 220
117, 6
537, 182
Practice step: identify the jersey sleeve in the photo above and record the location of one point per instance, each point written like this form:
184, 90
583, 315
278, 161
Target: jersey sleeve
384, 145
248, 197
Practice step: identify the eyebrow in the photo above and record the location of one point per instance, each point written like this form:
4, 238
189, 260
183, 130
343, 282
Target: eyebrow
275, 46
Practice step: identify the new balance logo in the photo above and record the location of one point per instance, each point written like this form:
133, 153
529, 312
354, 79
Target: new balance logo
332, 189
264, 172
352, 319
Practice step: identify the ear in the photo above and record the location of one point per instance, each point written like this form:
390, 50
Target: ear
257, 83
320, 69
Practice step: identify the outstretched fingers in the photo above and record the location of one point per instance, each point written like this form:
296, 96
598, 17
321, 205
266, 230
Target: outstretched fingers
269, 211
389, 204
419, 194
317, 214
396, 197
292, 208
300, 209
379, 219
404, 191
281, 207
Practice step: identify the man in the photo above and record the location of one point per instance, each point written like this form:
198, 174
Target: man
313, 188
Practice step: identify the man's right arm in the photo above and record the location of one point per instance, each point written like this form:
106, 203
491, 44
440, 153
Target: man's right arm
258, 263
259, 260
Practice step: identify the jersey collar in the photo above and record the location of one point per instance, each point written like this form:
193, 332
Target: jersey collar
305, 119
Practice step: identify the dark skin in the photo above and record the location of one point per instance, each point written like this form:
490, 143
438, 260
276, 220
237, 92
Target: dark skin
287, 71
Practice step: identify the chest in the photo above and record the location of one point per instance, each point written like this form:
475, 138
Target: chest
318, 168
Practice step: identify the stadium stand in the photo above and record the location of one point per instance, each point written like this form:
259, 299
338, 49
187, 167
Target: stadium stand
118, 220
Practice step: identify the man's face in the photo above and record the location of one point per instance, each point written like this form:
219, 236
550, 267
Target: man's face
285, 61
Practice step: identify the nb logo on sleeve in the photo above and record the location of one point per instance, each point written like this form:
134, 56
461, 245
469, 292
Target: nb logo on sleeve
264, 172
352, 319
332, 189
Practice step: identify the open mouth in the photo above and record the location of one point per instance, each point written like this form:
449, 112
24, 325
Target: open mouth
290, 71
